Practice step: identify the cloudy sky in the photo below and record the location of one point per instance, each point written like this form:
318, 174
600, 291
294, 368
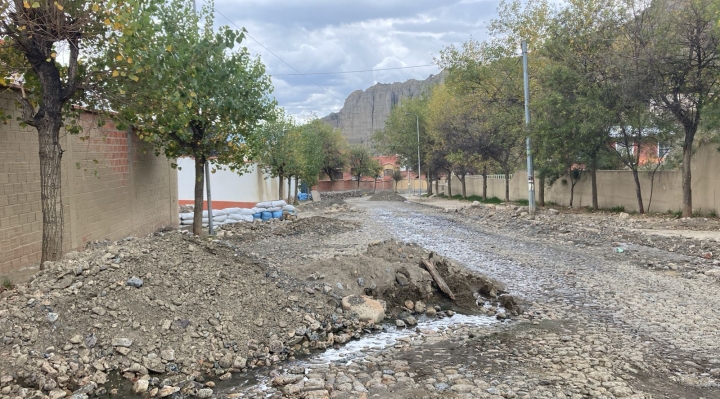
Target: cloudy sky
348, 35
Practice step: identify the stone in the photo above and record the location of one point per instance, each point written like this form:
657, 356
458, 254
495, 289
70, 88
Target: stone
420, 307
52, 317
409, 304
154, 364
367, 309
167, 355
167, 390
283, 380
239, 363
134, 282
402, 279
57, 394
410, 320
399, 323
226, 361
76, 339
276, 346
204, 393
225, 376
123, 342
141, 386
553, 211
623, 215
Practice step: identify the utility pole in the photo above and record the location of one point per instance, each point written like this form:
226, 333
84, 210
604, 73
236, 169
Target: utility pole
211, 230
417, 126
530, 171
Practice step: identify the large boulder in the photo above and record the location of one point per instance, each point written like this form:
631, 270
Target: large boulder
366, 308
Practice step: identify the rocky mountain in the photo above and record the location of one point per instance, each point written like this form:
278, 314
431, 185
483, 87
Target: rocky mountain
366, 111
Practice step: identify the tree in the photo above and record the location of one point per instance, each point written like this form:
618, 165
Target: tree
397, 176
31, 36
679, 43
332, 145
189, 93
277, 146
400, 134
360, 162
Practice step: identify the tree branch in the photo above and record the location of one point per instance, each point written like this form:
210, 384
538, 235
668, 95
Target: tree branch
71, 84
28, 111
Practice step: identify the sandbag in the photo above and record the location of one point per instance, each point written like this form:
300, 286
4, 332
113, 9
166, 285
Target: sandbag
232, 210
235, 216
257, 215
274, 209
266, 204
219, 219
265, 216
186, 216
186, 222
257, 210
303, 197
279, 203
289, 208
230, 221
216, 212
277, 214
248, 218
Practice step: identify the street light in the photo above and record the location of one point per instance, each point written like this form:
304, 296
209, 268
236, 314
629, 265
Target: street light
417, 125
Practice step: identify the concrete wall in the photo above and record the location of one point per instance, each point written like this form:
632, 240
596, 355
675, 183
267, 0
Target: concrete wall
617, 188
128, 191
369, 185
229, 189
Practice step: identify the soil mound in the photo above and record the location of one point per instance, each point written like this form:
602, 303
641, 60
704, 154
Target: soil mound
387, 196
315, 225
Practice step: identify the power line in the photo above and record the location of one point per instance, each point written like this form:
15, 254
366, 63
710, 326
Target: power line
360, 70
276, 56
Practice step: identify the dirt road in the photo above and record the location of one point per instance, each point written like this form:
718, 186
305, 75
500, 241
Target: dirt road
641, 323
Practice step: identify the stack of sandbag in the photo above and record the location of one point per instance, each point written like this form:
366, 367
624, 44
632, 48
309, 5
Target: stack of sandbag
303, 196
186, 218
236, 215
218, 217
270, 210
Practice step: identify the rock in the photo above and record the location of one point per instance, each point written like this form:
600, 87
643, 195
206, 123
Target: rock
57, 394
76, 339
283, 380
366, 111
167, 355
226, 361
204, 393
402, 279
134, 282
123, 342
276, 346
420, 307
52, 317
431, 312
409, 304
475, 204
239, 363
141, 386
225, 376
410, 320
553, 211
367, 309
153, 363
623, 215
399, 323
167, 390
90, 341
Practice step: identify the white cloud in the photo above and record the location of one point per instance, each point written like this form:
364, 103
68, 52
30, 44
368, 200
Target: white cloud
329, 36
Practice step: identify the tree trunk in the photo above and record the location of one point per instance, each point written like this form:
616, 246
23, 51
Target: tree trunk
429, 184
593, 182
507, 186
199, 188
297, 187
462, 184
484, 175
50, 189
449, 184
375, 188
572, 191
541, 190
358, 186
281, 193
687, 176
437, 184
289, 180
638, 191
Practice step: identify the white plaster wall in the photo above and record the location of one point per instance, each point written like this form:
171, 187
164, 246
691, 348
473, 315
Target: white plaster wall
252, 186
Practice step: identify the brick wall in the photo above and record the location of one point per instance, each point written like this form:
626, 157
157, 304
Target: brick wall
113, 186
